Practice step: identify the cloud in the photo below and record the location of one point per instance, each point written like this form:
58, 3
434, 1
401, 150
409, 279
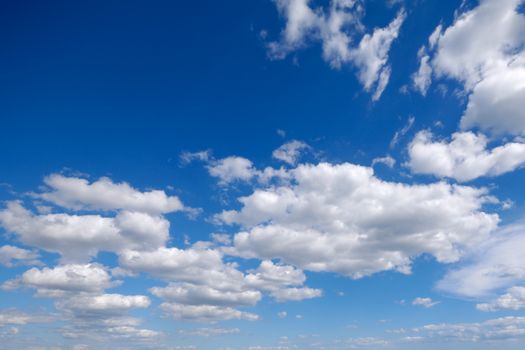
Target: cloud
205, 313
335, 28
232, 169
15, 317
210, 332
371, 56
64, 279
290, 151
484, 50
78, 194
464, 158
102, 305
386, 160
495, 264
514, 299
504, 328
341, 218
11, 256
79, 237
425, 302
402, 132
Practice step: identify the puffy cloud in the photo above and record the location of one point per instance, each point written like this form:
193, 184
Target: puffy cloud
67, 278
484, 50
79, 237
290, 151
232, 169
497, 263
514, 299
342, 218
102, 329
336, 29
10, 256
464, 158
103, 194
297, 294
425, 302
102, 305
191, 294
205, 313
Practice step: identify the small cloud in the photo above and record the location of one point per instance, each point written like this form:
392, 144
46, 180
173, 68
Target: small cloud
425, 302
282, 314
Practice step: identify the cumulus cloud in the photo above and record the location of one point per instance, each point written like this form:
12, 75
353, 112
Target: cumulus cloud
10, 256
336, 28
103, 194
342, 218
205, 313
465, 157
231, 169
484, 50
514, 299
79, 237
495, 264
386, 160
290, 151
64, 279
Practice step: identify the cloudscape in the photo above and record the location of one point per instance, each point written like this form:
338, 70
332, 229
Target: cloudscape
262, 175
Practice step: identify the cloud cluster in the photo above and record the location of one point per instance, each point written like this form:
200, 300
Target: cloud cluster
341, 218
336, 29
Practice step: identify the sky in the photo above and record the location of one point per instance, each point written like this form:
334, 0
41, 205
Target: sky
262, 175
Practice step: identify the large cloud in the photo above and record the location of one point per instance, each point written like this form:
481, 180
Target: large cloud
484, 50
464, 158
342, 218
79, 237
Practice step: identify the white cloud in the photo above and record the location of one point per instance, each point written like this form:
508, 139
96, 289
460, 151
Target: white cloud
232, 169
191, 294
386, 160
205, 313
514, 299
79, 237
67, 278
290, 151
103, 194
210, 332
282, 314
484, 50
423, 77
342, 218
402, 132
464, 158
336, 28
15, 317
495, 264
11, 256
102, 305
504, 328
425, 302
371, 56
188, 157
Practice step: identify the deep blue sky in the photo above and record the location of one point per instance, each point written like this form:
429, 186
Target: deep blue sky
123, 88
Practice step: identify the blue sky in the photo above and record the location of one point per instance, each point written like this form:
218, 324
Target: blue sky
288, 174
